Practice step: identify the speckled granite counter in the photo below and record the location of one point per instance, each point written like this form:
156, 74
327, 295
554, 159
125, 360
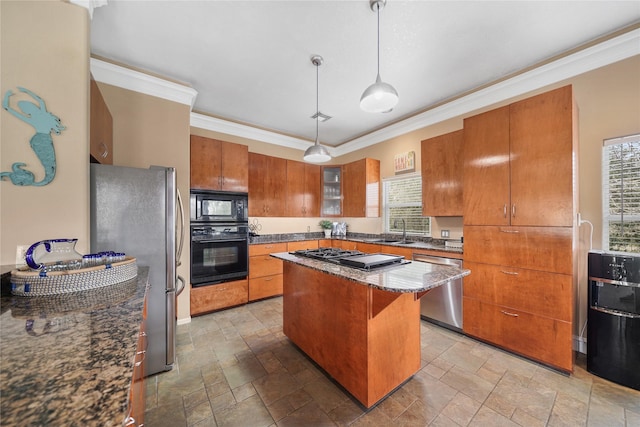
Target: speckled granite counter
412, 277
68, 360
426, 244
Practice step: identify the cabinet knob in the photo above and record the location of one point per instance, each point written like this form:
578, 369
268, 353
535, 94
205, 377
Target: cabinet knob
513, 210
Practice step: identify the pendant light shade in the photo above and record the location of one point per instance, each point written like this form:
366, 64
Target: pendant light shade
380, 97
317, 153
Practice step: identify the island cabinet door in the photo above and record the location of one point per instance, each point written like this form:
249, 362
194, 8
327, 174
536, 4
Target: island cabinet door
367, 340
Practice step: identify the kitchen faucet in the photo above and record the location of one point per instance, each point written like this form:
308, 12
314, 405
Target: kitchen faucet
404, 228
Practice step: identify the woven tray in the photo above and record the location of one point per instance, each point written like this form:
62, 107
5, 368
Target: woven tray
52, 306
27, 282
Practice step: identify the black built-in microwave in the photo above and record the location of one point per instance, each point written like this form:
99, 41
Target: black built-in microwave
219, 206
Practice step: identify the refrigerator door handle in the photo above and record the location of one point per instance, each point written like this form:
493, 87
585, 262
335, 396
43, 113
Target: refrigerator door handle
181, 288
171, 329
181, 232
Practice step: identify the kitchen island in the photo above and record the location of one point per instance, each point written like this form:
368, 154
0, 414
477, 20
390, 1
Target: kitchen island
68, 359
361, 327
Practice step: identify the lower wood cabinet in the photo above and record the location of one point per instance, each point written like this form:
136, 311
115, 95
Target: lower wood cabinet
537, 292
535, 248
135, 412
544, 339
519, 294
370, 248
265, 271
205, 299
301, 245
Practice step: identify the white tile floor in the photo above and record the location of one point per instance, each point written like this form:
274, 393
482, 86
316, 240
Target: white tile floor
236, 368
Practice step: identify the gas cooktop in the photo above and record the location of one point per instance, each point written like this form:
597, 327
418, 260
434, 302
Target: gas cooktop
352, 258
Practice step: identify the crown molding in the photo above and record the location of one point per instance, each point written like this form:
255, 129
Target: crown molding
238, 129
89, 5
605, 53
106, 72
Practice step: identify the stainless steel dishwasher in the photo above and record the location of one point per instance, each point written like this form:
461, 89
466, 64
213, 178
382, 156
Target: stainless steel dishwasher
443, 305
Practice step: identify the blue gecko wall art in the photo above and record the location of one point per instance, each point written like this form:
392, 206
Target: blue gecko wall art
41, 142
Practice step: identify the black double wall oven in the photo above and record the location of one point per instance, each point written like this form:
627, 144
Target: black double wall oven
219, 237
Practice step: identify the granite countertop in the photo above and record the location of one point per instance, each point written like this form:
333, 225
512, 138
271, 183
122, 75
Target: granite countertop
68, 359
417, 243
411, 277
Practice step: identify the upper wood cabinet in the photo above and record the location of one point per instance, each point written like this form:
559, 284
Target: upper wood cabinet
267, 185
303, 189
518, 163
361, 187
331, 191
442, 175
218, 165
101, 128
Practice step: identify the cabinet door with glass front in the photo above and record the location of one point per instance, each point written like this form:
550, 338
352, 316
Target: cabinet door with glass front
331, 191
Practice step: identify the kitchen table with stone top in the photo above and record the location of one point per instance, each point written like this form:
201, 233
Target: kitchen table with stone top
361, 327
68, 360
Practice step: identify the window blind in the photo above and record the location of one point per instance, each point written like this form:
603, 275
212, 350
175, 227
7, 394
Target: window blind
621, 194
402, 199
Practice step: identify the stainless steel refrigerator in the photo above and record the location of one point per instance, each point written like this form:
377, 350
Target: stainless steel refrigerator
133, 211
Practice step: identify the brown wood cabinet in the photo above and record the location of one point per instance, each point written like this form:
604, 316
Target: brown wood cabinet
442, 175
267, 185
519, 206
205, 299
100, 128
361, 187
331, 191
537, 337
518, 163
301, 245
343, 244
218, 165
303, 190
136, 409
367, 339
371, 248
265, 271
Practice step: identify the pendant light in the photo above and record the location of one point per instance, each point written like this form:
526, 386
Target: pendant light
380, 97
317, 153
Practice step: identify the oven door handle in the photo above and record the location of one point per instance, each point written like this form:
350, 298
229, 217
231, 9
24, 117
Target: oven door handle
220, 240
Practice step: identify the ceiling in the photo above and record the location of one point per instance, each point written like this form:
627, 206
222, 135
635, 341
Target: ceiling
249, 61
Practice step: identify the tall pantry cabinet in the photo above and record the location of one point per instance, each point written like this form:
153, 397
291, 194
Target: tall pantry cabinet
519, 214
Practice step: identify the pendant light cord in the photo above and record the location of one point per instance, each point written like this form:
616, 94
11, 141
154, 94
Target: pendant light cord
378, 12
317, 102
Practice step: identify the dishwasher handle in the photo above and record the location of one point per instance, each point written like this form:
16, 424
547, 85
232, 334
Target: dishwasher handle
437, 260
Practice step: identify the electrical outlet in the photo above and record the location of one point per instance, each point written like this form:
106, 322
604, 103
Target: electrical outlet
444, 233
21, 251
308, 228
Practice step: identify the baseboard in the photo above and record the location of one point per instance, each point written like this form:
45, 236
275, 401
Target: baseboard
184, 321
580, 344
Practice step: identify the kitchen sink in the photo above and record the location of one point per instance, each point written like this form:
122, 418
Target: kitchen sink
402, 242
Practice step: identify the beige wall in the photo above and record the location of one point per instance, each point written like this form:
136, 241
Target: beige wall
152, 131
45, 48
